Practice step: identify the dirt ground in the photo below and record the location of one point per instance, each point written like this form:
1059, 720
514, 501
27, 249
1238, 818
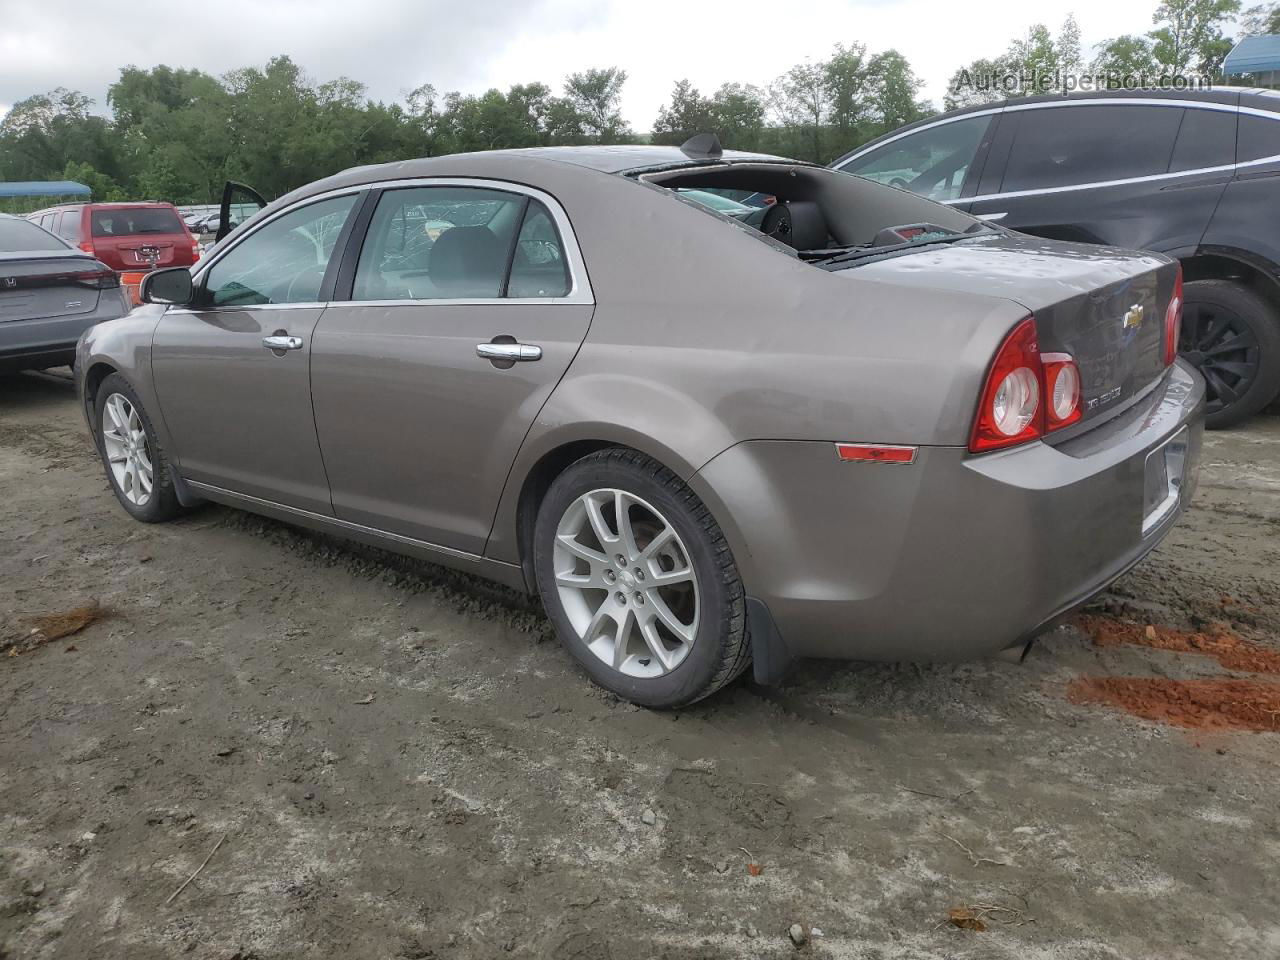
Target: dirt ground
398, 762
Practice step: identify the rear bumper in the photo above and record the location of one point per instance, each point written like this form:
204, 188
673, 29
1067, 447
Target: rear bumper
953, 556
49, 341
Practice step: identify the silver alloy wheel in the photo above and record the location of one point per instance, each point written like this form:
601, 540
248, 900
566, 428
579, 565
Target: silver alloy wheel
128, 450
626, 583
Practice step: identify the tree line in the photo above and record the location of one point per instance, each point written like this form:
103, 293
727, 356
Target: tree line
178, 134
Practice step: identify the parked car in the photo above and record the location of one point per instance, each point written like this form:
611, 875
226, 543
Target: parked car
209, 223
124, 236
876, 428
50, 293
1191, 174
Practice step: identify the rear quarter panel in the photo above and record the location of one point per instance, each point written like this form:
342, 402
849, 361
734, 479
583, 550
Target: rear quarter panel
704, 336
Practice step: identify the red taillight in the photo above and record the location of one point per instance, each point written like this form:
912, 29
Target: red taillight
87, 247
1061, 390
98, 279
1010, 412
1173, 321
195, 251
1027, 393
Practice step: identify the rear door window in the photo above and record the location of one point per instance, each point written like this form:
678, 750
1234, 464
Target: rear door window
68, 225
539, 268
933, 163
1068, 146
1206, 139
441, 243
1259, 138
133, 221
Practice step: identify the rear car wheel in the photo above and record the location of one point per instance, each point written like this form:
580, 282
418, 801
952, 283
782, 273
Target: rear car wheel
136, 465
639, 582
1232, 336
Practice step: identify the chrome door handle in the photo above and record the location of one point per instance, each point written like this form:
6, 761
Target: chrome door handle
509, 351
990, 217
278, 342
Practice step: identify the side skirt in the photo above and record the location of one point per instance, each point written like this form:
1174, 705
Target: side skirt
508, 574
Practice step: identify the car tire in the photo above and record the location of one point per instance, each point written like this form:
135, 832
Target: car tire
1240, 381
592, 598
116, 402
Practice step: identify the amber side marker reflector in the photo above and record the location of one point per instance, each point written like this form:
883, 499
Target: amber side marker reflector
875, 452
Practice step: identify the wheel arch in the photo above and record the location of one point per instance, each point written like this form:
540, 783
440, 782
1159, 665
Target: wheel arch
536, 469
97, 372
1227, 263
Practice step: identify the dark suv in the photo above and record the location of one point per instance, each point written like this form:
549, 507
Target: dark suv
1193, 174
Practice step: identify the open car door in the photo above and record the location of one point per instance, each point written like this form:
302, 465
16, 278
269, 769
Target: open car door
239, 203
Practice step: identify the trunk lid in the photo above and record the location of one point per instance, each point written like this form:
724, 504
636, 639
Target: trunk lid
44, 288
1102, 306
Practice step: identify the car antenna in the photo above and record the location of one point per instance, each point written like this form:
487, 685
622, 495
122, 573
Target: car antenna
702, 146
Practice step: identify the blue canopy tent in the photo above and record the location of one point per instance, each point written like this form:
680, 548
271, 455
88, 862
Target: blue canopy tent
42, 188
1258, 56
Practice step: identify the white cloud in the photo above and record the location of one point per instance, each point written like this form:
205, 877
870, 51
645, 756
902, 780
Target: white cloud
395, 45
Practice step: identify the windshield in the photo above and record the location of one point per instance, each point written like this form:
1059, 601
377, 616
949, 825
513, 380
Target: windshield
23, 235
131, 221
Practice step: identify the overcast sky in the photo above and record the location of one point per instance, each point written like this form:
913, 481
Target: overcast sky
470, 45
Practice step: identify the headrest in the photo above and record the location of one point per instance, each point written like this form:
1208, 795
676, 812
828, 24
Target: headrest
797, 223
467, 261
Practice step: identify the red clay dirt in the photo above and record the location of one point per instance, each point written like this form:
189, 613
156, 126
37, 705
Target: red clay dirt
1230, 650
1219, 704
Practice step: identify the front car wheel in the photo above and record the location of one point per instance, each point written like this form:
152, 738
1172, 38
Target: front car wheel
136, 466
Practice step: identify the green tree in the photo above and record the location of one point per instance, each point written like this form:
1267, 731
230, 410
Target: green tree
1034, 63
1189, 36
895, 92
1261, 20
687, 114
41, 133
737, 112
1126, 56
799, 102
591, 107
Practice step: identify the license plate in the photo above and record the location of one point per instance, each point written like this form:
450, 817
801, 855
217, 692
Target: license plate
1165, 480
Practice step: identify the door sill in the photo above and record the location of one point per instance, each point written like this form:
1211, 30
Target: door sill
258, 505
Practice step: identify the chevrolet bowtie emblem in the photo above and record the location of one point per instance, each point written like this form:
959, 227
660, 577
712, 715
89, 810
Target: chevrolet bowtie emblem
1133, 318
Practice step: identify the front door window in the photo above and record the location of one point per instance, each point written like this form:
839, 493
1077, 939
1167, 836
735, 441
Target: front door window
284, 261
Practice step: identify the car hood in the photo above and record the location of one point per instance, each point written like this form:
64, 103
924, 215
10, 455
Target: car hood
1031, 271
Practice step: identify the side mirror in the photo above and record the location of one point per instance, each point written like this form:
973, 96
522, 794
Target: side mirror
172, 287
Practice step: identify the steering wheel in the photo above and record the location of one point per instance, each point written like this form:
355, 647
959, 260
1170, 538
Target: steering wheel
310, 273
900, 183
